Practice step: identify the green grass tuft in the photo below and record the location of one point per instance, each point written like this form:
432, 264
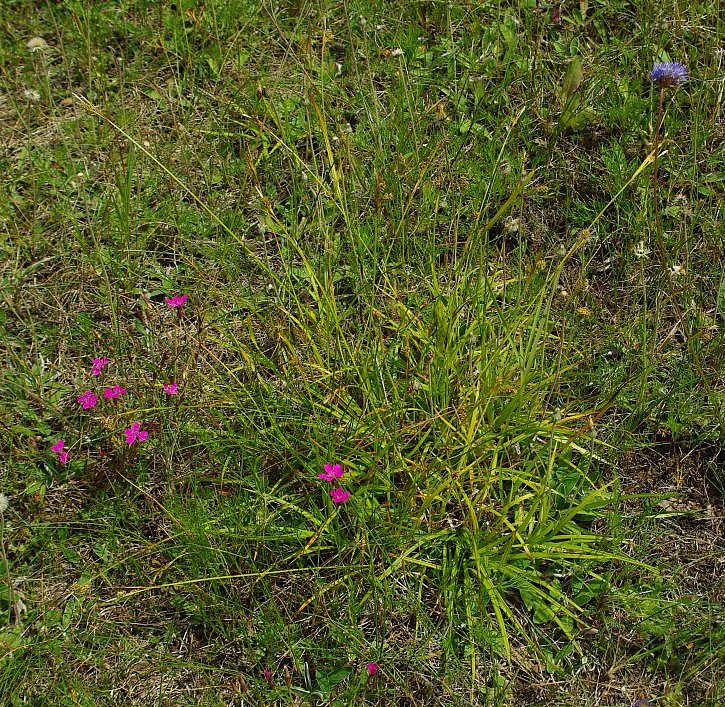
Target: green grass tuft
422, 241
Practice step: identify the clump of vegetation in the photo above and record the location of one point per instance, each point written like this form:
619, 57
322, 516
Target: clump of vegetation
405, 331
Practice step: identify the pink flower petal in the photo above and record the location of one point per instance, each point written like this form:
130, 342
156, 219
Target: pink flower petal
63, 457
58, 446
372, 669
114, 392
339, 495
176, 301
87, 400
98, 364
334, 471
134, 433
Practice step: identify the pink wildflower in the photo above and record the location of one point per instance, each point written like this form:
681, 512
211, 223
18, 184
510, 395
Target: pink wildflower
58, 446
98, 364
135, 433
171, 388
372, 669
114, 392
332, 472
176, 301
339, 495
58, 449
87, 399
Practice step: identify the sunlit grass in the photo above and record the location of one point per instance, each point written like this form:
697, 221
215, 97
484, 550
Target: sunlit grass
418, 241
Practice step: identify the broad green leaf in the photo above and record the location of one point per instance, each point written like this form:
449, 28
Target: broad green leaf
572, 80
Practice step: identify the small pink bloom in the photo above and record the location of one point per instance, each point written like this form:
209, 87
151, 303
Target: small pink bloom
135, 433
332, 471
87, 399
114, 392
98, 364
176, 301
372, 669
171, 388
58, 449
339, 495
58, 446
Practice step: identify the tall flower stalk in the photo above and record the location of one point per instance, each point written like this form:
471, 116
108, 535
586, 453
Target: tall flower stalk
669, 75
665, 75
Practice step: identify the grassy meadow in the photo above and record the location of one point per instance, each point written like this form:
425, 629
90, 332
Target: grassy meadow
360, 352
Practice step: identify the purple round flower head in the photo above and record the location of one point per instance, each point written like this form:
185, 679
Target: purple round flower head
669, 74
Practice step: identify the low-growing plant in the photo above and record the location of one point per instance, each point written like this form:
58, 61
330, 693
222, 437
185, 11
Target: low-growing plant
376, 453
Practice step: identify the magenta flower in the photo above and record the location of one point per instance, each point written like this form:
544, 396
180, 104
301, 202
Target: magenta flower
135, 433
332, 472
176, 301
58, 446
372, 669
87, 399
98, 364
171, 388
58, 449
114, 392
339, 495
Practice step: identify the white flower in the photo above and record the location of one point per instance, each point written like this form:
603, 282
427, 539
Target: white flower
641, 250
511, 224
32, 95
37, 44
4, 503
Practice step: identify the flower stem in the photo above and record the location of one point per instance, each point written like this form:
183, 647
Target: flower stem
655, 179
